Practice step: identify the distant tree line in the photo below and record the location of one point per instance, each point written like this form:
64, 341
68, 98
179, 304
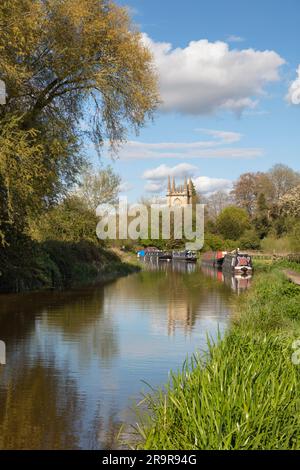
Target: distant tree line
261, 211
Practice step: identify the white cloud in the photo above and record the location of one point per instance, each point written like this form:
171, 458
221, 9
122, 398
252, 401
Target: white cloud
125, 187
207, 186
157, 199
234, 38
293, 95
157, 179
206, 77
216, 145
221, 137
163, 171
135, 150
154, 187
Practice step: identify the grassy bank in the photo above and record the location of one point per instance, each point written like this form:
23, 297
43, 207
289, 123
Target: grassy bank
246, 393
29, 266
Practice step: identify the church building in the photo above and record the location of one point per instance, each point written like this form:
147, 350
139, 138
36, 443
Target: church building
179, 196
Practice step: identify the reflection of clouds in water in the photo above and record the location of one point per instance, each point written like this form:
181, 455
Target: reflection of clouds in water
100, 344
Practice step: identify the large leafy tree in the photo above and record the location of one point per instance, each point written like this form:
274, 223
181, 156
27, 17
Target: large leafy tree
284, 179
59, 55
249, 187
65, 61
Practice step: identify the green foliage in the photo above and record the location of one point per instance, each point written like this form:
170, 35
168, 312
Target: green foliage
294, 237
69, 221
278, 245
250, 240
232, 222
28, 265
213, 242
162, 244
22, 177
100, 187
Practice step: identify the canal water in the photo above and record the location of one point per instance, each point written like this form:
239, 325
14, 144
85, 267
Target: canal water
77, 361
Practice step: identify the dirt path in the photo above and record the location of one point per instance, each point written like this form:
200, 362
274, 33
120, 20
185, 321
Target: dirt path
293, 276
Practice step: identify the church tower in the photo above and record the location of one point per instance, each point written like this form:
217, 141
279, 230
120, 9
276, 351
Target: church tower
179, 196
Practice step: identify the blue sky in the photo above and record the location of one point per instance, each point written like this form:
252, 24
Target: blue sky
225, 108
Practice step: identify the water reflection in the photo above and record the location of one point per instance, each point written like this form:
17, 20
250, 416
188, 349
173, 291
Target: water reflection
237, 283
76, 360
154, 264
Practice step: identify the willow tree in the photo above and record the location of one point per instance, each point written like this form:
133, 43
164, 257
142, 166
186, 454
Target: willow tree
65, 61
57, 56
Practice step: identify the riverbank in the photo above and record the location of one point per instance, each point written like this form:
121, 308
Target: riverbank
245, 393
32, 266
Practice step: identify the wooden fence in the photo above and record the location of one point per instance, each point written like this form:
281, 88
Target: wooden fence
295, 257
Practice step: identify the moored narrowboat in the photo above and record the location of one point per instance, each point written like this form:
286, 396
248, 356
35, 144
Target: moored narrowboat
213, 258
164, 256
186, 255
238, 263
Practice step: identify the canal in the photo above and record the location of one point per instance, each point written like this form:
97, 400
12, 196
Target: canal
77, 361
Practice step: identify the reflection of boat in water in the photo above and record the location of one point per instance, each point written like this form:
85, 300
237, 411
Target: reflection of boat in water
186, 255
238, 263
212, 272
154, 264
237, 282
178, 266
213, 258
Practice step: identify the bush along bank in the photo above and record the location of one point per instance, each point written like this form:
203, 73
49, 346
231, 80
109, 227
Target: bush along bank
29, 266
245, 394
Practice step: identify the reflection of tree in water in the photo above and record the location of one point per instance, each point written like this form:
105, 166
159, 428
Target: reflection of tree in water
74, 314
38, 410
178, 290
86, 321
104, 434
49, 338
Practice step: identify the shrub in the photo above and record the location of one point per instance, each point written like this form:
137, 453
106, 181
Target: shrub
277, 245
233, 222
250, 240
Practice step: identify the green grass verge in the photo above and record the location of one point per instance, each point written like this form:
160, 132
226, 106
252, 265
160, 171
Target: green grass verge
269, 265
245, 394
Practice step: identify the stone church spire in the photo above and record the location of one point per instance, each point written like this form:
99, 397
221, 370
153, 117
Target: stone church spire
180, 196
